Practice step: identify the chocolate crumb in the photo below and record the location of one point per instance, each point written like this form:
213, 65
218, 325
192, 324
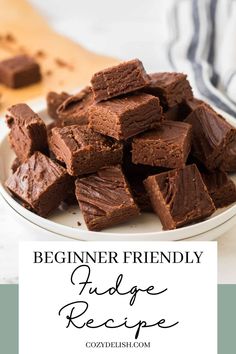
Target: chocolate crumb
22, 50
78, 223
10, 38
60, 62
48, 73
74, 213
40, 54
63, 64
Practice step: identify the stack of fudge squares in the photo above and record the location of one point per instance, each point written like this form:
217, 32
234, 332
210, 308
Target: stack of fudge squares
130, 142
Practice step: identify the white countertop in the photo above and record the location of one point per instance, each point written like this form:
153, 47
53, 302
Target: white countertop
103, 26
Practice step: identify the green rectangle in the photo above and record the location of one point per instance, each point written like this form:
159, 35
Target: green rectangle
9, 319
226, 319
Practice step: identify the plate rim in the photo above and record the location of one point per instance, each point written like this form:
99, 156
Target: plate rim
117, 234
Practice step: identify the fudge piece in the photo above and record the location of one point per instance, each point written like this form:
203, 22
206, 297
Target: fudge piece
40, 183
172, 88
167, 147
105, 199
19, 71
74, 110
28, 132
220, 187
122, 118
212, 136
229, 162
54, 100
118, 80
179, 197
84, 151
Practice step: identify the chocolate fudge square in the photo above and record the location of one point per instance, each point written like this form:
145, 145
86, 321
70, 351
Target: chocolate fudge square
179, 197
118, 80
74, 110
220, 187
122, 118
82, 150
28, 132
172, 88
40, 183
229, 162
19, 71
168, 146
212, 136
54, 100
105, 199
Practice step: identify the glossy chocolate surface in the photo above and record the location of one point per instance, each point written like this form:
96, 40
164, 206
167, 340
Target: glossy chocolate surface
179, 197
105, 198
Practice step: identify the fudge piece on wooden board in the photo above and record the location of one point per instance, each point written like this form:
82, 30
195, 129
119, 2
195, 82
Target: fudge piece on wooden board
19, 71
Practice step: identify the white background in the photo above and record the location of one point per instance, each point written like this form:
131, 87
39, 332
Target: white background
191, 299
124, 28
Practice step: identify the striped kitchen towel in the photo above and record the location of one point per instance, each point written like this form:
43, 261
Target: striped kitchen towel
203, 44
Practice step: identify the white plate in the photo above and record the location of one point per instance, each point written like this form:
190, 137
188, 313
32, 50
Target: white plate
146, 227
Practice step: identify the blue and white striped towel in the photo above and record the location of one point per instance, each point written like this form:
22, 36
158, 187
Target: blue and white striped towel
203, 44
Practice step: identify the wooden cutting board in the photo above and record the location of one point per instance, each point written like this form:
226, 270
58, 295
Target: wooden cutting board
65, 64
